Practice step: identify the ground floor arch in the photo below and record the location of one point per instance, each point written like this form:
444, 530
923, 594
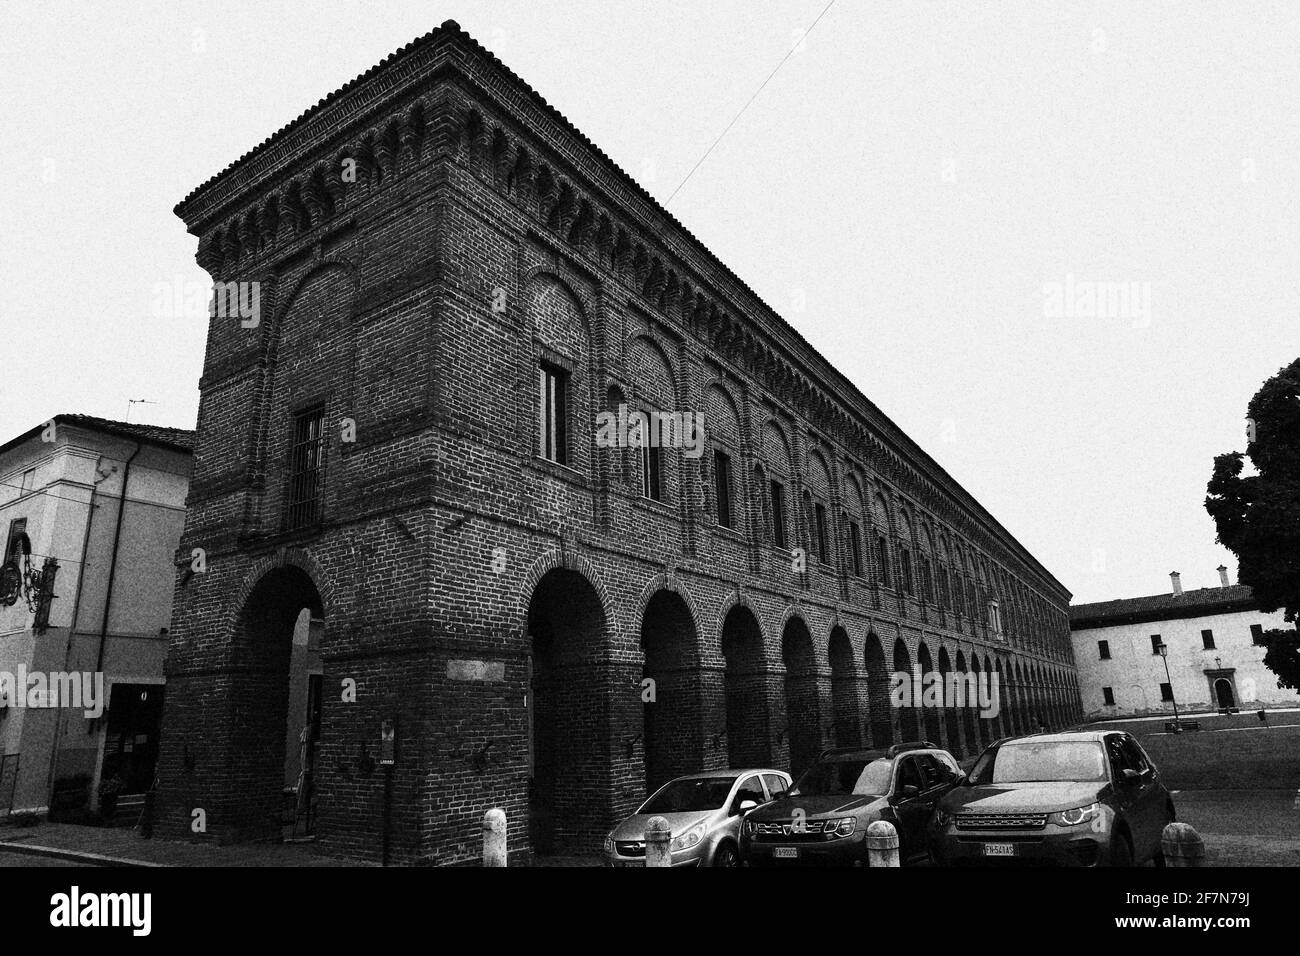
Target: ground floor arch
567, 637
745, 690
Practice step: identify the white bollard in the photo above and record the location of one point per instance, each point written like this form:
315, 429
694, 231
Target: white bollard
658, 837
494, 837
1182, 845
882, 844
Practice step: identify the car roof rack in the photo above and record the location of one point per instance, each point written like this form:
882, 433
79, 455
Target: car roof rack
897, 749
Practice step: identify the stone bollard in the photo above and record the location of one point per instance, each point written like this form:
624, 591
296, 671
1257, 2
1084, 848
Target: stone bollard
1182, 845
882, 844
494, 837
658, 837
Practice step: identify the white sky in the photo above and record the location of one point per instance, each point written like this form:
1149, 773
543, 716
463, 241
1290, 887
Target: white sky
914, 174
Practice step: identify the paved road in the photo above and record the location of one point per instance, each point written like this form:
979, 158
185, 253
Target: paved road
1244, 827
24, 859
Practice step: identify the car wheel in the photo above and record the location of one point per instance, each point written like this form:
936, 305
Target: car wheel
1121, 854
726, 855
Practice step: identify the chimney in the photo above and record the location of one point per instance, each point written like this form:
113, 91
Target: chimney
1223, 577
1174, 580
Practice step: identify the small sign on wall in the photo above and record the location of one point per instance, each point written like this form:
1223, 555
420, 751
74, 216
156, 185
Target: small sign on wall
477, 670
387, 742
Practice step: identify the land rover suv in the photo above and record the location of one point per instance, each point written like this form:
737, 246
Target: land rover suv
1082, 798
823, 819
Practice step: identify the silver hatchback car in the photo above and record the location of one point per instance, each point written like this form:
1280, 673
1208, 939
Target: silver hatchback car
704, 811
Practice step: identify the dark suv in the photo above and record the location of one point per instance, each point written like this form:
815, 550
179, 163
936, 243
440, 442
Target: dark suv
823, 819
1084, 798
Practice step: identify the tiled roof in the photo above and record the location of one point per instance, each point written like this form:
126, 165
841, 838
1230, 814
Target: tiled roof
1163, 607
156, 434
178, 438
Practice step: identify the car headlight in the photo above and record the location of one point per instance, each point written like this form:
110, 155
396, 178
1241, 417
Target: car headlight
688, 839
609, 843
842, 827
1072, 818
942, 817
751, 827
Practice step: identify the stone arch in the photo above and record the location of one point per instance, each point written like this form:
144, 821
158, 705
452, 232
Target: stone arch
846, 687
908, 720
951, 725
930, 716
569, 700
881, 719
672, 717
268, 616
969, 729
746, 685
802, 698
572, 561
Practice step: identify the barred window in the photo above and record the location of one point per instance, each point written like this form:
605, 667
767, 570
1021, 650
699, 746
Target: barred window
722, 486
306, 466
778, 514
552, 414
823, 542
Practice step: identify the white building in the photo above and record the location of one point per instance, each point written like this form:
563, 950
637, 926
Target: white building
106, 501
1213, 651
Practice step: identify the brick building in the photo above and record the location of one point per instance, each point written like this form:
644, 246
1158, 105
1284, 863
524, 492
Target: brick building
454, 282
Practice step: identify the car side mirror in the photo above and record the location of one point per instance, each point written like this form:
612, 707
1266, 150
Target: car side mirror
746, 805
1129, 775
908, 792
961, 781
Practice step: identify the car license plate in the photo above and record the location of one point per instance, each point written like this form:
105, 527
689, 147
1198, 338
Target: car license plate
786, 852
999, 849
628, 863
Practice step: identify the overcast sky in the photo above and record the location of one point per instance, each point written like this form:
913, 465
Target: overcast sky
925, 191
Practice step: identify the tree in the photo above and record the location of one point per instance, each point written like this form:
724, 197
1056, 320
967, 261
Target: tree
1258, 516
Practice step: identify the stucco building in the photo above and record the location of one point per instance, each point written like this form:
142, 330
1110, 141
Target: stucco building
104, 502
1213, 642
454, 283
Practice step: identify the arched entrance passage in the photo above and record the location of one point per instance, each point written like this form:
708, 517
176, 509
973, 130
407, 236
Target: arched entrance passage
997, 723
969, 732
845, 691
277, 649
745, 688
981, 724
802, 704
1016, 698
930, 715
1223, 693
567, 626
950, 718
909, 727
881, 718
672, 729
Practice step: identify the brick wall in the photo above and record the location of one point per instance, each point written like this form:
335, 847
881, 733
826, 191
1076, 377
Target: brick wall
470, 590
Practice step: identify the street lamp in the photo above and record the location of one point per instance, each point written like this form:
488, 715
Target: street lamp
1164, 656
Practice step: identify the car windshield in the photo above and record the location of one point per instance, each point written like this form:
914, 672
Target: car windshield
686, 796
1035, 761
863, 778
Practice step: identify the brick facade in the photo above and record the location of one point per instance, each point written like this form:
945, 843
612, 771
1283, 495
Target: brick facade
484, 236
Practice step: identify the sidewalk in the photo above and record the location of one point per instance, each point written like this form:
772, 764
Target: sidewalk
109, 846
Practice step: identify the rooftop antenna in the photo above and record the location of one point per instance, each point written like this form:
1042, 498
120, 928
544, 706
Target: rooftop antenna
132, 402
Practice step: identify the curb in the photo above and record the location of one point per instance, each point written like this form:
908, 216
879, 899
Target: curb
75, 856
